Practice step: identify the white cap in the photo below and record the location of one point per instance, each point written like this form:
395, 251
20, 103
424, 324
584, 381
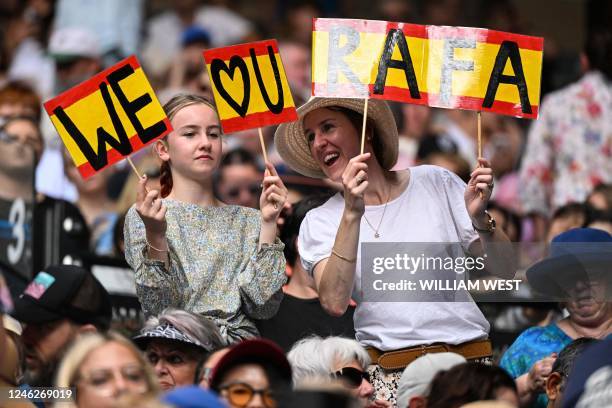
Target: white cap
417, 375
70, 42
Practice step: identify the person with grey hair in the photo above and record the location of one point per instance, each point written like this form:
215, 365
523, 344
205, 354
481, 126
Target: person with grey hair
314, 359
175, 343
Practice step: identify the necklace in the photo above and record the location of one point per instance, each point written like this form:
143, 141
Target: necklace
376, 234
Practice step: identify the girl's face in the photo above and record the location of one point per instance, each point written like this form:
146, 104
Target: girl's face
107, 373
194, 147
333, 140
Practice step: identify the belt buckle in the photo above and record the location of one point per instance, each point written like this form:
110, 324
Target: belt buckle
424, 349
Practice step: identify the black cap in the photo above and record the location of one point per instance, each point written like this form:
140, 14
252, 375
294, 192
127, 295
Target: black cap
65, 292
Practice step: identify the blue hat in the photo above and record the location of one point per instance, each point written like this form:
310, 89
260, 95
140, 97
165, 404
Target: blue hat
192, 397
590, 382
195, 34
579, 254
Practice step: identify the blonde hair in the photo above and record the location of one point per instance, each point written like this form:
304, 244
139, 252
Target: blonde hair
77, 353
171, 108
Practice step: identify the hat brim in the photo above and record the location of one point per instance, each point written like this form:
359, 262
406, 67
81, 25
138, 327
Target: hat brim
292, 145
30, 312
142, 340
254, 348
553, 276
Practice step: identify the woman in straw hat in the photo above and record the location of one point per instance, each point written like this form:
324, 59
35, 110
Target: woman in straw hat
420, 204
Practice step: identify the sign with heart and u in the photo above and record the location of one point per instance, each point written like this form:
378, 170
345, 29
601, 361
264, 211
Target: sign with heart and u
250, 86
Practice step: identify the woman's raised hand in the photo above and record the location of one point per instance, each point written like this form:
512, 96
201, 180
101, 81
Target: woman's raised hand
273, 195
355, 182
478, 192
151, 210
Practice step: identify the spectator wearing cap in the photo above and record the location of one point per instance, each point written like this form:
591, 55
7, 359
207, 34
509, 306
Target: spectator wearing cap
192, 397
102, 369
577, 273
561, 369
77, 54
314, 359
60, 304
187, 72
413, 385
590, 383
175, 343
252, 374
164, 31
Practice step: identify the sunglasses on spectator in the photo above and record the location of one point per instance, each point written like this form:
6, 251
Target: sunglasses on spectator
352, 376
253, 189
240, 394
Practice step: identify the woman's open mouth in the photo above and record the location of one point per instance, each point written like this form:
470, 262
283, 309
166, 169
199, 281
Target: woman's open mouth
330, 159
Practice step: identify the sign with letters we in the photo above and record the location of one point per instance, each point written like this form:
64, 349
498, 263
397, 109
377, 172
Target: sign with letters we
108, 117
447, 67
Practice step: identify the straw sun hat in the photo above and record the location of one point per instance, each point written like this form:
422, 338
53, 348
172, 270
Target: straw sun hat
293, 147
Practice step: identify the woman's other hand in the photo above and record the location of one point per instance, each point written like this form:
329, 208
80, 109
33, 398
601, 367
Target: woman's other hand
478, 192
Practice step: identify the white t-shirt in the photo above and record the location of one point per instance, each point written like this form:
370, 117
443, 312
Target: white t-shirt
431, 209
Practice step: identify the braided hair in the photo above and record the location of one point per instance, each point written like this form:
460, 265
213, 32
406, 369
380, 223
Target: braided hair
171, 107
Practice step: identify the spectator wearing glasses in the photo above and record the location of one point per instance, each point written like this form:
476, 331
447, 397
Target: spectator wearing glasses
239, 179
252, 374
103, 369
314, 359
175, 343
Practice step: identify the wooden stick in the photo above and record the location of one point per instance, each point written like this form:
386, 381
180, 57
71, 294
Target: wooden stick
263, 145
133, 167
479, 134
480, 143
363, 127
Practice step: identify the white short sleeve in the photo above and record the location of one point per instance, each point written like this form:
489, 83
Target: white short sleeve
318, 233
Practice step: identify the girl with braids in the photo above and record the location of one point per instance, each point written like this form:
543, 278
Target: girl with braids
193, 252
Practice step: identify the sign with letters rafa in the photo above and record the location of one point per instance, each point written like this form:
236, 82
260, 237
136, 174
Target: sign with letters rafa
108, 117
250, 86
447, 67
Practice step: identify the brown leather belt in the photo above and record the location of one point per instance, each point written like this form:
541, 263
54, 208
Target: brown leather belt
394, 360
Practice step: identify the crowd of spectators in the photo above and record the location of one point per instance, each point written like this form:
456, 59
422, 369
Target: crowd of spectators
281, 337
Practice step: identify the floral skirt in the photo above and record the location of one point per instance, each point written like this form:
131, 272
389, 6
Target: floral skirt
385, 382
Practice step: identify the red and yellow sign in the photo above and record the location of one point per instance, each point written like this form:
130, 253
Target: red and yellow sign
448, 67
108, 117
250, 86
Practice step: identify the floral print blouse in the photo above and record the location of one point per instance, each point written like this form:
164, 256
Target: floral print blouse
569, 149
215, 267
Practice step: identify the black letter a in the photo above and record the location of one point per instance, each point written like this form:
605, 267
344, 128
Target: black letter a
396, 37
508, 49
98, 160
